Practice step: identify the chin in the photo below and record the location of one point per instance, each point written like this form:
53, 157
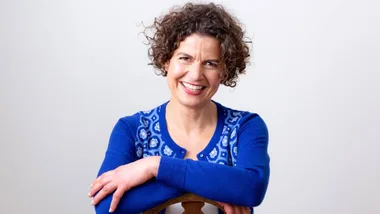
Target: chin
191, 100
193, 103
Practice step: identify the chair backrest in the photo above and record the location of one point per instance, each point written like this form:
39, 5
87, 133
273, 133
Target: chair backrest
191, 203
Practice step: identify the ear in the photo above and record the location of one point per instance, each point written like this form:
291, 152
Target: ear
222, 73
166, 66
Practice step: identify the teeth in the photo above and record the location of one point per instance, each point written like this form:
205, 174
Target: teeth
192, 87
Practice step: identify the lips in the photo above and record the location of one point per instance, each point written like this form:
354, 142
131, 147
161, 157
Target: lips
193, 89
192, 86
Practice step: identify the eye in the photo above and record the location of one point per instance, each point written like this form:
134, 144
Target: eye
212, 64
185, 58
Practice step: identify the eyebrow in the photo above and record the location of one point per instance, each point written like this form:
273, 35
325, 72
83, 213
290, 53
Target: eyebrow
207, 60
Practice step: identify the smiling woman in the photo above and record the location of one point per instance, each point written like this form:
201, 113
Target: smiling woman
194, 72
190, 143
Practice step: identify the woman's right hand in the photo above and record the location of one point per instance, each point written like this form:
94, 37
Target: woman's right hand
122, 179
233, 209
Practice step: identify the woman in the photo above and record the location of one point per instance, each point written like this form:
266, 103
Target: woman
190, 143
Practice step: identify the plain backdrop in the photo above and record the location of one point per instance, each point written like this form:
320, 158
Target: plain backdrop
70, 68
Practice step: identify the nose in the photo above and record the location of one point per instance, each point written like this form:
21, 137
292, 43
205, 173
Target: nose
195, 71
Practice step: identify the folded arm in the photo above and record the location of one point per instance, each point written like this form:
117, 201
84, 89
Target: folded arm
244, 185
121, 151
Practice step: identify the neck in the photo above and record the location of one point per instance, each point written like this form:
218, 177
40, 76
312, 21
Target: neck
190, 120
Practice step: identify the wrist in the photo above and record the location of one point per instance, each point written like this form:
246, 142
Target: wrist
154, 164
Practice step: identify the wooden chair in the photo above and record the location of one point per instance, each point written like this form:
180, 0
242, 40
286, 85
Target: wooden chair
191, 203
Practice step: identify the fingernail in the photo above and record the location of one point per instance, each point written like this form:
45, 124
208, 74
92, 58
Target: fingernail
110, 210
89, 194
92, 202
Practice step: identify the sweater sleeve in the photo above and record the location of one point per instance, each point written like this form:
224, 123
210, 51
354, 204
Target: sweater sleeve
121, 151
244, 184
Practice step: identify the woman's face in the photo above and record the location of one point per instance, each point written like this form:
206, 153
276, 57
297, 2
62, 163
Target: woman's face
194, 70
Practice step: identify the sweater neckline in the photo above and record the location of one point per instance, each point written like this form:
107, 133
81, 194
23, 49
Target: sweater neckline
210, 145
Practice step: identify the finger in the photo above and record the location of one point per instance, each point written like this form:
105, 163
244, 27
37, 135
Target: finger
228, 209
116, 198
99, 184
238, 210
242, 210
247, 210
96, 180
95, 188
220, 203
100, 177
105, 174
106, 190
95, 185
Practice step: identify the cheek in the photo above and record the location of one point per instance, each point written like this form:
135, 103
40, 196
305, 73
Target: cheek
176, 70
215, 80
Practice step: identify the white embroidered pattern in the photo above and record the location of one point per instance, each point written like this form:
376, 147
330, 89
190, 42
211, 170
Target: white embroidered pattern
225, 141
213, 153
150, 140
139, 152
167, 151
225, 151
143, 134
153, 143
157, 127
233, 133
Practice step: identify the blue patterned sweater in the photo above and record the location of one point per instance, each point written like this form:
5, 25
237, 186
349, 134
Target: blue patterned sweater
233, 168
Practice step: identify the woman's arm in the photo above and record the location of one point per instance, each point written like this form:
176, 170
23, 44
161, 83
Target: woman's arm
244, 185
121, 151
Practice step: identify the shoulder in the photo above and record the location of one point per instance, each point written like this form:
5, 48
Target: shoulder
142, 118
244, 120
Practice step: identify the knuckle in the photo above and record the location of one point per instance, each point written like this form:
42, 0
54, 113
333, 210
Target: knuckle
95, 187
106, 190
99, 181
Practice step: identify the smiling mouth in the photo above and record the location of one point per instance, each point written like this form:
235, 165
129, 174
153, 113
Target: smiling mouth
191, 87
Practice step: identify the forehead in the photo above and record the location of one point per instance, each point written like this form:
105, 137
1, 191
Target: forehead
196, 44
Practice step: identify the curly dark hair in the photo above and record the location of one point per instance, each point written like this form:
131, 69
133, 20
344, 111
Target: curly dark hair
205, 19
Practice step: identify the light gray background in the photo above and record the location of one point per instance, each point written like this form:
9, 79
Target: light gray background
71, 68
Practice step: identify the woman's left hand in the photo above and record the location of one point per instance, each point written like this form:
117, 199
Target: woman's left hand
122, 179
